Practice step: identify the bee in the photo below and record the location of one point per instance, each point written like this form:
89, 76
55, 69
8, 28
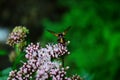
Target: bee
61, 35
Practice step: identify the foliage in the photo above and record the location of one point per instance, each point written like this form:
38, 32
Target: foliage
94, 36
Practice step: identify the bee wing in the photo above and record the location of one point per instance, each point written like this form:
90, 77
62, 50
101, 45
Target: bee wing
66, 30
52, 32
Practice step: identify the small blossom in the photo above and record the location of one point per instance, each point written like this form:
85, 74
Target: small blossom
32, 50
76, 77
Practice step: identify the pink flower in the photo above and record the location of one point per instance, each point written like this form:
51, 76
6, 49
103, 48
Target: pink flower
39, 61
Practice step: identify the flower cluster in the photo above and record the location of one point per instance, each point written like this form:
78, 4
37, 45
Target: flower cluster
39, 61
59, 74
17, 35
76, 77
56, 50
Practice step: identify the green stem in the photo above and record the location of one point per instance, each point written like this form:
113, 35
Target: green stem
63, 61
17, 49
63, 64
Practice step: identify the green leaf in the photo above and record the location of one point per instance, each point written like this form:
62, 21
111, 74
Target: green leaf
4, 74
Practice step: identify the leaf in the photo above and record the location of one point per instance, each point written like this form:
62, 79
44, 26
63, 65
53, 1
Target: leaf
4, 74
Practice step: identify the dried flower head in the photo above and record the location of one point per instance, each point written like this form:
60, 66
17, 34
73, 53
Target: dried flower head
17, 35
12, 56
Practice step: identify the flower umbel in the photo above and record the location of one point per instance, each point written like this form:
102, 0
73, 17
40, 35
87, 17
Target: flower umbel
17, 35
39, 61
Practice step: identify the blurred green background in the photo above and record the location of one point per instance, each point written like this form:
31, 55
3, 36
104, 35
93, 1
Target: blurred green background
94, 36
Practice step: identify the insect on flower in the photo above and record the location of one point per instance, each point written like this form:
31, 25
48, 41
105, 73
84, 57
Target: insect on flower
61, 38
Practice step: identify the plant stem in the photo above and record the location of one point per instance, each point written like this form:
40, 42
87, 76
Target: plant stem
17, 49
63, 61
